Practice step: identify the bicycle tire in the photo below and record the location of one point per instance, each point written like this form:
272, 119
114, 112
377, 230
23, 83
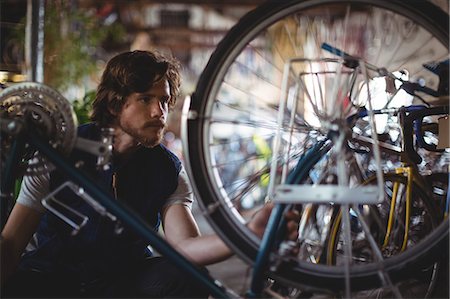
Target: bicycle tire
222, 214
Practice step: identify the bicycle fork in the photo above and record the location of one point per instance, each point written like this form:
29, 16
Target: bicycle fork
408, 172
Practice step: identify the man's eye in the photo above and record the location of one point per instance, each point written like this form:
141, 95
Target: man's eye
144, 99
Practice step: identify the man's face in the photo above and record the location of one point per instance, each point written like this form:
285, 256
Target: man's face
144, 115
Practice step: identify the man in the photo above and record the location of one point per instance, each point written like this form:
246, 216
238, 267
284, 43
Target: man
134, 96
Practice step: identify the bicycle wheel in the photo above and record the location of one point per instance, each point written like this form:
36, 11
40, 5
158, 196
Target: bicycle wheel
423, 220
232, 119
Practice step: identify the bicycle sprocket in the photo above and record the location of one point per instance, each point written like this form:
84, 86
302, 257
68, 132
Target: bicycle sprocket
42, 108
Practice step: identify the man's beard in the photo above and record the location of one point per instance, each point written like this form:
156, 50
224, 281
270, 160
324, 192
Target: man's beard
143, 140
151, 142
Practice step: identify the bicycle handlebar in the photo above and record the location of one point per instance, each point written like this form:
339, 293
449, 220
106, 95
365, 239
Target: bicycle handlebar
411, 123
353, 61
394, 111
411, 88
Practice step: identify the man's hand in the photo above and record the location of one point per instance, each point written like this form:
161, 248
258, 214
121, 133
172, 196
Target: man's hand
259, 221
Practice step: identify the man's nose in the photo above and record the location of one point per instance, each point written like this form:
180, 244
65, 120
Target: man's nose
156, 109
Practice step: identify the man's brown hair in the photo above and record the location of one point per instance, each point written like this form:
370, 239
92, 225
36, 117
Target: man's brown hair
131, 72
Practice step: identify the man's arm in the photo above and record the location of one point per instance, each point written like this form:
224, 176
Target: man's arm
22, 222
181, 231
20, 227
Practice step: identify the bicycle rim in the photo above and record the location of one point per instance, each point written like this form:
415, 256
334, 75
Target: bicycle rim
423, 220
230, 123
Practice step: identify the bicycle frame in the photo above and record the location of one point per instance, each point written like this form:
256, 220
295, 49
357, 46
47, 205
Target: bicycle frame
410, 158
117, 208
410, 117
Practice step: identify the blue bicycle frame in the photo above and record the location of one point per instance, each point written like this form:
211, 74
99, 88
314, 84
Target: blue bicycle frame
127, 216
275, 226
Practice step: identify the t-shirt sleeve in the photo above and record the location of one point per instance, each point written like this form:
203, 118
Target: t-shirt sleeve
183, 194
33, 190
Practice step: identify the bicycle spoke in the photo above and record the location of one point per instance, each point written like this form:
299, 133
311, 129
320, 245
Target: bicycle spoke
272, 85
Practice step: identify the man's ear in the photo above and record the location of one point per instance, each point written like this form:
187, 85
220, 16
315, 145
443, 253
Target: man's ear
112, 111
113, 108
